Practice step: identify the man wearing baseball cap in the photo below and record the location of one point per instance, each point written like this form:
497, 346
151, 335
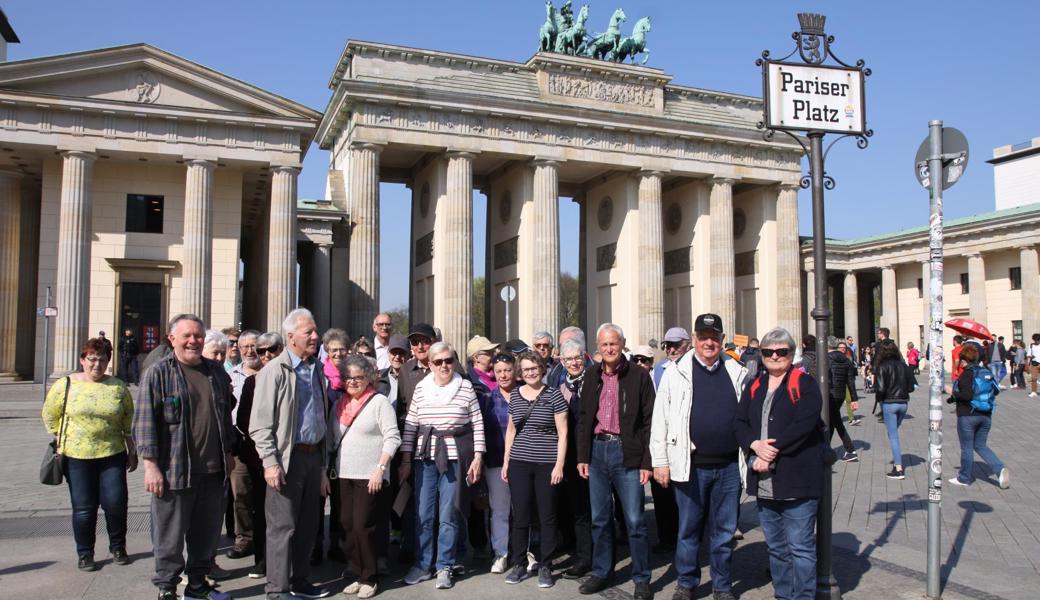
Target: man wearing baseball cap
694, 449
676, 344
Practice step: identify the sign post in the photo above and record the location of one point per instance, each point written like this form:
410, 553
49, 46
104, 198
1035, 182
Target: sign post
941, 160
508, 294
46, 312
815, 99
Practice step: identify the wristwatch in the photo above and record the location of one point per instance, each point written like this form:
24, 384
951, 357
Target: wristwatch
382, 467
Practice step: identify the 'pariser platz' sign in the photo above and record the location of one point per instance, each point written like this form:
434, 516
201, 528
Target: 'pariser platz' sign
814, 98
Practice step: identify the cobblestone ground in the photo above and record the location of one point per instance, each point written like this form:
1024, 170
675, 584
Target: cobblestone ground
990, 537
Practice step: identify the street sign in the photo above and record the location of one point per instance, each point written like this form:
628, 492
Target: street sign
47, 311
954, 157
814, 98
508, 293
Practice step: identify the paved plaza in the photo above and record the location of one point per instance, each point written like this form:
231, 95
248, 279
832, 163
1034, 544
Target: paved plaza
990, 545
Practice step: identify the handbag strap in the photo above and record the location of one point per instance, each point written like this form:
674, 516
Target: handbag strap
530, 409
339, 442
64, 402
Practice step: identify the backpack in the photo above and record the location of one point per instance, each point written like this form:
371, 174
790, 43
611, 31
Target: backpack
984, 390
794, 390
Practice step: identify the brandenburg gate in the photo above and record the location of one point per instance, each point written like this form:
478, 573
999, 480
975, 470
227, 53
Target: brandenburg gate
684, 208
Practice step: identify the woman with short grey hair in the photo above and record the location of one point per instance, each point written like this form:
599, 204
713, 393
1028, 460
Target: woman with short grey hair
215, 346
778, 336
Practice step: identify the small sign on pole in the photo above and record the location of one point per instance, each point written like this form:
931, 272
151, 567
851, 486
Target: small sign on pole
508, 294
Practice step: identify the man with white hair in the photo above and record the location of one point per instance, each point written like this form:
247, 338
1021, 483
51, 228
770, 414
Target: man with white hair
382, 327
287, 424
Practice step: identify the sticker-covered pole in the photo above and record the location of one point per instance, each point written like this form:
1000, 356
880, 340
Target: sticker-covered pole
935, 354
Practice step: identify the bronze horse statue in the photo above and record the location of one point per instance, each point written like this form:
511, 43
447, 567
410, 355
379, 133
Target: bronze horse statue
601, 45
572, 40
636, 44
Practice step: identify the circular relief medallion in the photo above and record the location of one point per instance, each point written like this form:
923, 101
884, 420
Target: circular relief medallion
605, 213
505, 207
739, 222
673, 218
424, 200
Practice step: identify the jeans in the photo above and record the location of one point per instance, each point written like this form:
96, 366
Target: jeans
437, 492
94, 482
789, 527
712, 497
972, 432
894, 413
607, 470
999, 371
498, 497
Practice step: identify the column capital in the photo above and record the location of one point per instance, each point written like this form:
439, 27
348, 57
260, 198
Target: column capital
288, 169
788, 187
1026, 247
850, 272
372, 146
888, 268
717, 180
652, 172
466, 154
200, 162
80, 154
971, 255
545, 161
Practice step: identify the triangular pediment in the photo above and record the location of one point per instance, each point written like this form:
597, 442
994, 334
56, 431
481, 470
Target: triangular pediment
144, 75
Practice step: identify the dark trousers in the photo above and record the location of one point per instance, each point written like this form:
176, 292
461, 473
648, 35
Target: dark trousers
576, 490
129, 369
530, 485
335, 521
837, 424
97, 482
292, 523
190, 516
666, 513
257, 502
358, 513
241, 503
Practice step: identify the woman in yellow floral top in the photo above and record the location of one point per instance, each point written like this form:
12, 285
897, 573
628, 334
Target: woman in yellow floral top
98, 447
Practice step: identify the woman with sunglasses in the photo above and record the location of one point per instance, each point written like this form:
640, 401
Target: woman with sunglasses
778, 422
268, 347
444, 441
495, 410
536, 446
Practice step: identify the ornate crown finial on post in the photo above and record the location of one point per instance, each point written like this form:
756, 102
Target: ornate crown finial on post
812, 23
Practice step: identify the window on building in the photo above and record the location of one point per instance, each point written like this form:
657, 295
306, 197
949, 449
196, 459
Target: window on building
1015, 275
144, 213
964, 283
920, 287
1016, 330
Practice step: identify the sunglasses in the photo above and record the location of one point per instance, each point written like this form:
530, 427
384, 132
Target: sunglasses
500, 358
232, 342
642, 360
443, 361
269, 350
779, 352
672, 345
418, 341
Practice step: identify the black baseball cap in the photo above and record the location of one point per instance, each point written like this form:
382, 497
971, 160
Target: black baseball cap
708, 322
516, 346
423, 329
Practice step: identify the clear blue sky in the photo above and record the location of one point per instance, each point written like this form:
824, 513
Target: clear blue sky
971, 64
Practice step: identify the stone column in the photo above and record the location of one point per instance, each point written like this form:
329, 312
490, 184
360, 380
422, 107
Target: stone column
723, 282
197, 265
363, 256
788, 260
453, 252
72, 283
321, 268
545, 283
1030, 292
651, 259
890, 303
852, 306
10, 256
977, 288
281, 263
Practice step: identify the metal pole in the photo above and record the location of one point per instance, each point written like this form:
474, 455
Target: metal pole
508, 337
46, 339
826, 585
935, 355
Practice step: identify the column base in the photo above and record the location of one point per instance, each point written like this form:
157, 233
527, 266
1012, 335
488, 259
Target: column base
10, 377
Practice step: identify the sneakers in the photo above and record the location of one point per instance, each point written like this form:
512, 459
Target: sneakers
545, 578
532, 564
518, 574
352, 588
1032, 394
500, 565
850, 457
856, 422
367, 591
306, 589
258, 571
957, 481
643, 592
682, 593
445, 579
593, 585
1004, 479
205, 592
86, 563
895, 474
120, 557
577, 571
727, 595
416, 575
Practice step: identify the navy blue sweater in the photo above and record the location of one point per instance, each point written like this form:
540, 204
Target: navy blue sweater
712, 416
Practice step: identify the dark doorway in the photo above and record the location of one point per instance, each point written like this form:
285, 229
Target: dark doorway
141, 312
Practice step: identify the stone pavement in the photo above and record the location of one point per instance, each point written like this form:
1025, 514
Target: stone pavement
990, 545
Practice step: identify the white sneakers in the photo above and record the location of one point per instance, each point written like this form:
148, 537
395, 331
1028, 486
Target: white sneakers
500, 565
956, 481
1004, 478
1032, 394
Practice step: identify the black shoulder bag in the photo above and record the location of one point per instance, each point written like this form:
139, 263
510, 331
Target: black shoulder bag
52, 469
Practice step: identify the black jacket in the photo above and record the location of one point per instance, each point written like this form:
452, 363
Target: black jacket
798, 431
894, 381
636, 410
843, 375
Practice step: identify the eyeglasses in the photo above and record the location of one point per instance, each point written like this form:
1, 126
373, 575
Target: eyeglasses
672, 345
357, 379
570, 360
530, 370
543, 346
232, 342
709, 337
337, 350
384, 324
398, 355
268, 350
443, 361
95, 359
779, 352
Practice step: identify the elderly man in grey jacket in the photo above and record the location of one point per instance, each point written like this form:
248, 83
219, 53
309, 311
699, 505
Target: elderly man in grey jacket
287, 424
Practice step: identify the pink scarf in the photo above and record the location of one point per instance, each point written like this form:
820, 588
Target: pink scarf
333, 375
349, 408
487, 378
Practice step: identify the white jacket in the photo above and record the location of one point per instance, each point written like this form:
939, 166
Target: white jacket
670, 443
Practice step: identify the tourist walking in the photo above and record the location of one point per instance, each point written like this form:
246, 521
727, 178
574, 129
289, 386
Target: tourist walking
913, 358
494, 408
288, 425
536, 446
778, 422
974, 394
363, 438
1017, 352
694, 450
1033, 356
443, 439
617, 404
842, 374
182, 428
892, 391
90, 414
851, 397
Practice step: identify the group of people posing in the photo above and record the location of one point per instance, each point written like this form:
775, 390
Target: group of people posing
545, 448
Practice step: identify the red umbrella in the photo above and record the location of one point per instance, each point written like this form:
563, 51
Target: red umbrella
970, 328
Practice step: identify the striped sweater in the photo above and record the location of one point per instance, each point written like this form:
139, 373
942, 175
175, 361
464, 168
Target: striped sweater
427, 410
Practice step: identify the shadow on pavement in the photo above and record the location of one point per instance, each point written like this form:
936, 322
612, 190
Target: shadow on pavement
970, 508
27, 567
